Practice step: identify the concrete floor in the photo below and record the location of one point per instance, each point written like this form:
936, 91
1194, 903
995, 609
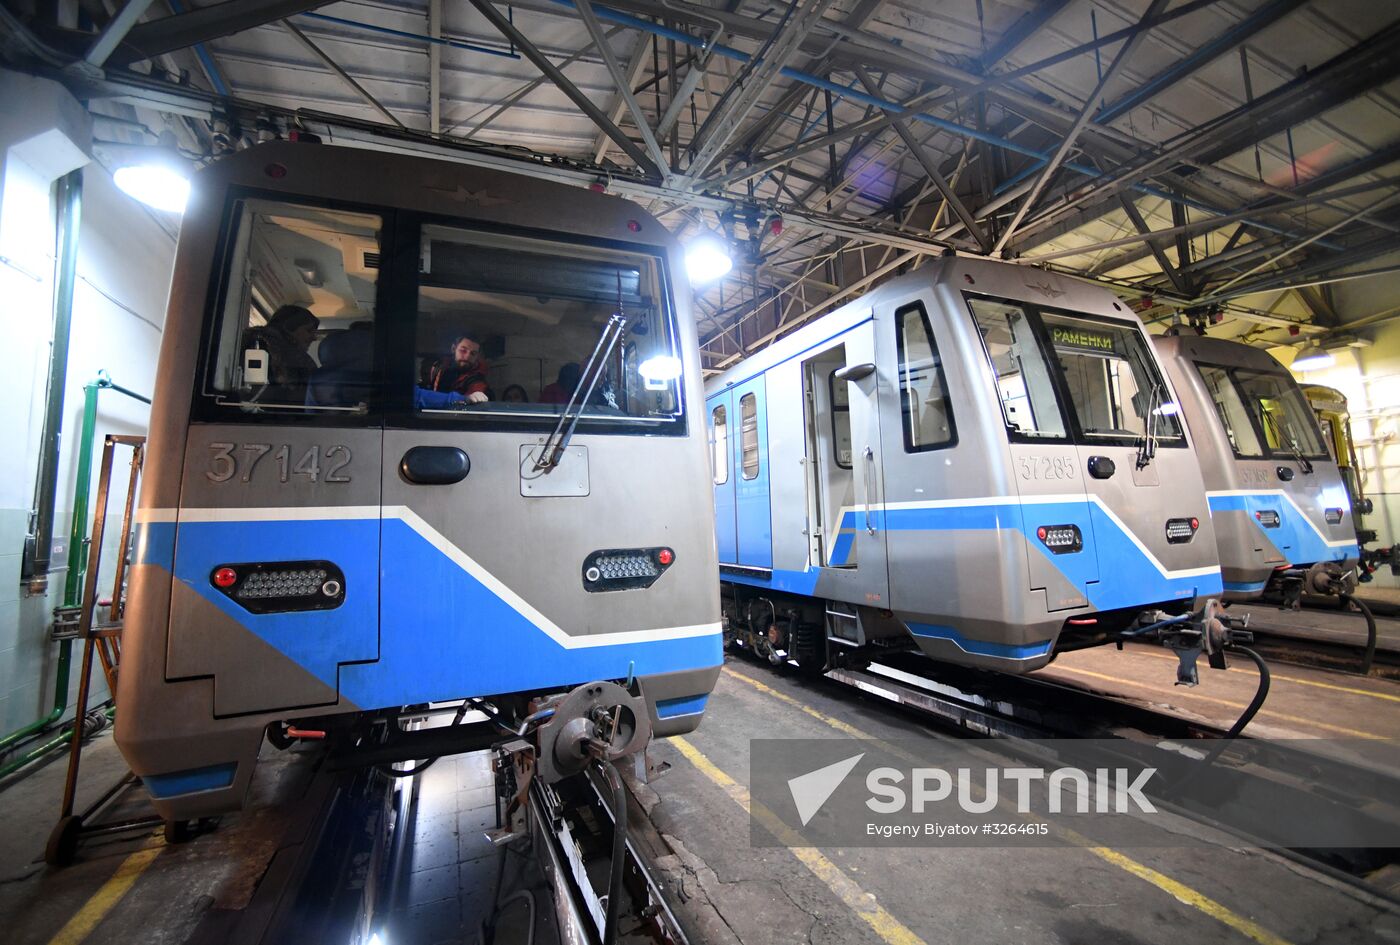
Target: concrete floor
724, 889
734, 892
1303, 702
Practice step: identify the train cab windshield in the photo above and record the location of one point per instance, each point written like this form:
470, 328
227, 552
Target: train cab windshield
1055, 368
1263, 413
492, 329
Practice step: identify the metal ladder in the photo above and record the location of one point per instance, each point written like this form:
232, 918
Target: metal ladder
101, 639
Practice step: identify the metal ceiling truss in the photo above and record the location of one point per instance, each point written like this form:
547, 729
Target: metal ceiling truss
971, 147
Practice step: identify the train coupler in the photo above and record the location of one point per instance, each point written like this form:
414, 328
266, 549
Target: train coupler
1209, 631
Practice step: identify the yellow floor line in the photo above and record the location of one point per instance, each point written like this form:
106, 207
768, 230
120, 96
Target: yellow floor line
80, 926
1293, 679
856, 899
1177, 890
1187, 694
1188, 896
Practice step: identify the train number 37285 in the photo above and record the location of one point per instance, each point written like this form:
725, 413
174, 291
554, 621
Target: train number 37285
241, 460
1046, 467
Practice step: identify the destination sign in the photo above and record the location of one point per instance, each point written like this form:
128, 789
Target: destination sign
1081, 338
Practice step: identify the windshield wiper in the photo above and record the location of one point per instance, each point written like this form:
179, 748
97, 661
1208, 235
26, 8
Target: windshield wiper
1147, 446
1289, 441
552, 449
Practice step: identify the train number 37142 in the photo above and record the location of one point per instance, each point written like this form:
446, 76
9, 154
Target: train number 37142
241, 460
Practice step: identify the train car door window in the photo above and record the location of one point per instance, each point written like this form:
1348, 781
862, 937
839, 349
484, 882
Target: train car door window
719, 445
1028, 401
923, 390
840, 400
1233, 414
295, 329
748, 432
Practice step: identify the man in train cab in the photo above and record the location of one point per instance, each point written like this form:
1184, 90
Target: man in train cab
286, 338
564, 386
461, 371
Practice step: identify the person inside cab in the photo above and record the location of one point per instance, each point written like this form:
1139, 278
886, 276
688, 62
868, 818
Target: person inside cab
286, 338
462, 371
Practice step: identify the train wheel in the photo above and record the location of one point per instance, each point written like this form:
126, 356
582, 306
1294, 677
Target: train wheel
178, 831
63, 841
809, 648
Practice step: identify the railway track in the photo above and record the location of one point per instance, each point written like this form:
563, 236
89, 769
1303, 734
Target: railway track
1026, 710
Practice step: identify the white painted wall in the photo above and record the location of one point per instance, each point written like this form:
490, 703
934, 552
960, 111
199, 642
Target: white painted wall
124, 267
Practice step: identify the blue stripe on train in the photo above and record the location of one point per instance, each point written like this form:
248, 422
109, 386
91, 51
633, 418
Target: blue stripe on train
1295, 536
190, 781
409, 646
980, 647
1135, 580
685, 705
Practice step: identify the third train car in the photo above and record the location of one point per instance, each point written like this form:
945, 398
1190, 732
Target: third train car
978, 458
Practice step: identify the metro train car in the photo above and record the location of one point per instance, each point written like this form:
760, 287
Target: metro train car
347, 511
980, 459
1277, 499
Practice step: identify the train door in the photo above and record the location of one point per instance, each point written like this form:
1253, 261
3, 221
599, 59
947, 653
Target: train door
1049, 476
841, 385
720, 409
1141, 479
753, 512
276, 540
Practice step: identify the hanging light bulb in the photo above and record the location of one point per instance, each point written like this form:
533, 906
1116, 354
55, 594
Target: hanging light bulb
707, 258
155, 175
1313, 357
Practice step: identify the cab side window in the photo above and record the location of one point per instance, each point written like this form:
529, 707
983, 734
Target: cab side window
923, 389
295, 330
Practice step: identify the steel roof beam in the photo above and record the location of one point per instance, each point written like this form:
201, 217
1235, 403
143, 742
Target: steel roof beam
632, 73
1158, 253
622, 79
542, 62
344, 76
1213, 223
1241, 32
930, 167
1365, 66
115, 31
1080, 122
182, 30
764, 127
723, 122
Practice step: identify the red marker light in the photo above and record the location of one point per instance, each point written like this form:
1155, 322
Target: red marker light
1041, 533
1195, 524
275, 171
665, 556
225, 577
634, 226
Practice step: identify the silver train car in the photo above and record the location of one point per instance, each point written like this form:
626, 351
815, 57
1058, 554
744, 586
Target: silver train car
979, 458
418, 435
1277, 499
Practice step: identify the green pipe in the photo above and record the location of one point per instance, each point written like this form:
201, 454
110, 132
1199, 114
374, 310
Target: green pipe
77, 564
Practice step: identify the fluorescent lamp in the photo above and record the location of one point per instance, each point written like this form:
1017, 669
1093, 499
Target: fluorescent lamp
707, 259
661, 367
1312, 358
1168, 409
159, 183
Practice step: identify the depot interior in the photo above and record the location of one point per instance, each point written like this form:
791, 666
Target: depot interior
805, 152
